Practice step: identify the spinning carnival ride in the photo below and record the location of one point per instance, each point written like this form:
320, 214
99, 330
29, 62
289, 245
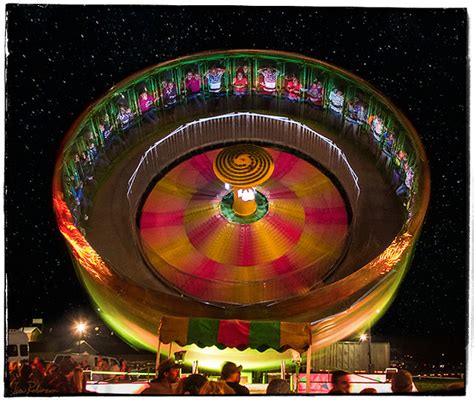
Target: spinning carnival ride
242, 206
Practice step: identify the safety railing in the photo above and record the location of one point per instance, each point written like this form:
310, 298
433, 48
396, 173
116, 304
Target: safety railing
118, 376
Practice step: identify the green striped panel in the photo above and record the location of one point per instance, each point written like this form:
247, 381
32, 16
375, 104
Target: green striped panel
203, 332
264, 335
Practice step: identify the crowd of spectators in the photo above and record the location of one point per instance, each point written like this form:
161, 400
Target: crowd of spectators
168, 383
38, 378
68, 377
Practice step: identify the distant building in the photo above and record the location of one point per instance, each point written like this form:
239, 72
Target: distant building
85, 347
33, 333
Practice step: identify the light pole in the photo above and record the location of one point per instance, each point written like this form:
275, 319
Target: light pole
368, 337
80, 328
297, 361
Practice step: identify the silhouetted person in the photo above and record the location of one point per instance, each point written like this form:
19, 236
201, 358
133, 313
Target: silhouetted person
456, 388
124, 369
168, 372
231, 375
368, 391
278, 387
216, 388
77, 381
21, 384
61, 380
341, 382
402, 382
191, 385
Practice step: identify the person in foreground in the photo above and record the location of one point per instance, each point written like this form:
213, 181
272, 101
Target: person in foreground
368, 391
402, 382
341, 382
278, 387
191, 385
231, 375
164, 384
216, 388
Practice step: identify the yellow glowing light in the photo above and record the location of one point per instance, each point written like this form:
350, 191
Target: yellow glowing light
81, 327
246, 194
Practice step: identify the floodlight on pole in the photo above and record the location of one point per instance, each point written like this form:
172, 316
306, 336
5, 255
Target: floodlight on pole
80, 328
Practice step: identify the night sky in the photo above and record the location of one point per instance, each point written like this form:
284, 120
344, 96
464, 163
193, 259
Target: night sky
61, 58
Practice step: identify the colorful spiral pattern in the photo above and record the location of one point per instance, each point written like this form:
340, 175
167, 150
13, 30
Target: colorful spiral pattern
243, 165
189, 243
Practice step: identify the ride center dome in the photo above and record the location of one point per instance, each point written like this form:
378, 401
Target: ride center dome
241, 185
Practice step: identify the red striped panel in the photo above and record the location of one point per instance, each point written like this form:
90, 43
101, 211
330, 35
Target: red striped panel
281, 193
326, 216
245, 252
283, 164
203, 165
201, 232
158, 219
282, 265
287, 229
233, 333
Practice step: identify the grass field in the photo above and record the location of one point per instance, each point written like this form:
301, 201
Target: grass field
434, 384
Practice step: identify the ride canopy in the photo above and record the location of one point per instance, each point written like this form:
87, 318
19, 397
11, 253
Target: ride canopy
240, 334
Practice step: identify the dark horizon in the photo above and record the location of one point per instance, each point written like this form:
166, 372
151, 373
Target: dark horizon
61, 58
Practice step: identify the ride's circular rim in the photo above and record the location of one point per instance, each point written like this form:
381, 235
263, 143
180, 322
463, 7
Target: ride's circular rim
402, 245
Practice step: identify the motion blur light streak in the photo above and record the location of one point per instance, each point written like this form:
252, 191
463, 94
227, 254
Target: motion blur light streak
393, 254
84, 253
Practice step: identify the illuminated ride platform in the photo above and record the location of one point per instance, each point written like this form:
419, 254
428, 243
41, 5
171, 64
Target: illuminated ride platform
233, 204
